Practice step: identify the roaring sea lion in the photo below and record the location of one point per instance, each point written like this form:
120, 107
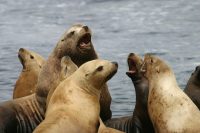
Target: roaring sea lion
32, 64
170, 109
26, 113
139, 122
74, 106
192, 88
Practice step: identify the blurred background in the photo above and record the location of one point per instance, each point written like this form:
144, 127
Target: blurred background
167, 28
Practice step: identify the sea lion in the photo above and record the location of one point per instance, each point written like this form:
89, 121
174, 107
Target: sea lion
139, 122
74, 106
170, 109
32, 64
192, 88
27, 112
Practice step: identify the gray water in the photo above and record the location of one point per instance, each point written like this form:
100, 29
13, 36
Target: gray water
167, 28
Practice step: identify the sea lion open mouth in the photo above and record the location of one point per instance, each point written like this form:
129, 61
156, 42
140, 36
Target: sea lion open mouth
85, 41
21, 60
132, 67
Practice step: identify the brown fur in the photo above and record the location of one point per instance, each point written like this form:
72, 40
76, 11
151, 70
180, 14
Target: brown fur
15, 117
74, 105
140, 120
170, 109
104, 129
50, 75
70, 44
32, 64
192, 88
67, 68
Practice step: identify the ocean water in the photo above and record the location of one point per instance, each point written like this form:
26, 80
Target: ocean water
167, 28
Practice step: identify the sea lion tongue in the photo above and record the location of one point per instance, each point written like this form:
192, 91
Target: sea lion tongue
84, 42
84, 45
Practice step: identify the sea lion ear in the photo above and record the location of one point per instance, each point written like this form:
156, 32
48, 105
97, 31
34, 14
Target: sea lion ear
153, 60
158, 69
100, 68
32, 57
87, 74
72, 33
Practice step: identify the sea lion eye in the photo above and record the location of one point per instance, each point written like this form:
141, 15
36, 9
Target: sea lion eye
151, 61
31, 57
196, 68
100, 68
72, 32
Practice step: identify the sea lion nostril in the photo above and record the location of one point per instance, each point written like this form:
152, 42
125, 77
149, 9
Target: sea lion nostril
21, 49
197, 68
85, 27
115, 63
131, 54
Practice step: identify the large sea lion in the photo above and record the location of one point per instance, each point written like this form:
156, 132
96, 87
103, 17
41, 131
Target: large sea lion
170, 109
74, 106
32, 64
192, 88
26, 113
139, 122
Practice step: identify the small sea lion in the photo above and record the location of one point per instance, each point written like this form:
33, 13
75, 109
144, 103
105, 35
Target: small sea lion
32, 64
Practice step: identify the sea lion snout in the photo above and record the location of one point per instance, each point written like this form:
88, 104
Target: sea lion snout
21, 50
115, 63
86, 28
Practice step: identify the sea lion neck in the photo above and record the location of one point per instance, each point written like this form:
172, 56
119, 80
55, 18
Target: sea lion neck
51, 67
141, 90
79, 60
86, 86
140, 113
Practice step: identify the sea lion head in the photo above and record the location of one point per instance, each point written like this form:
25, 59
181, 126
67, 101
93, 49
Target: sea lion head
154, 66
30, 60
95, 73
76, 43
